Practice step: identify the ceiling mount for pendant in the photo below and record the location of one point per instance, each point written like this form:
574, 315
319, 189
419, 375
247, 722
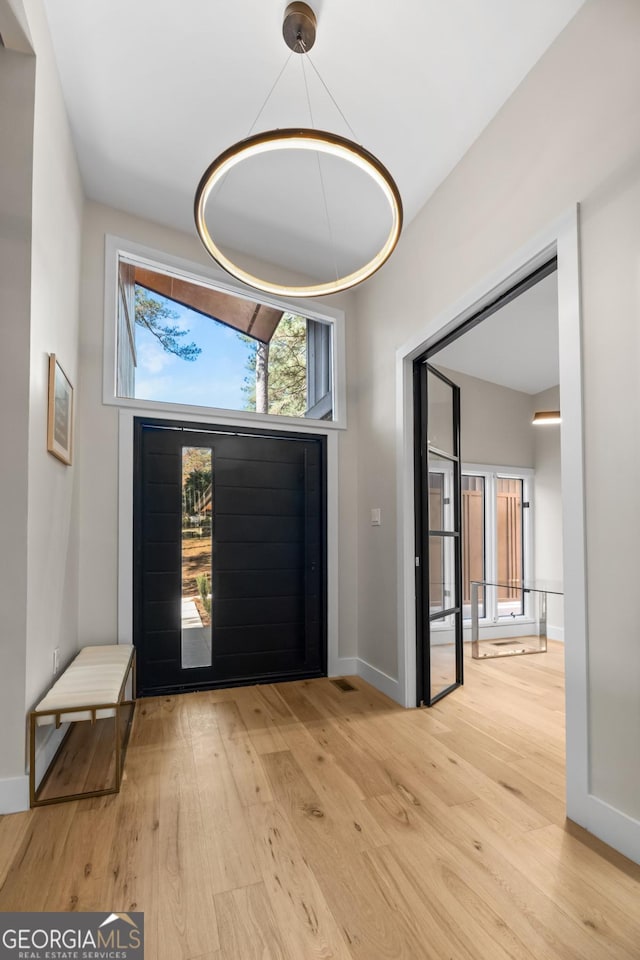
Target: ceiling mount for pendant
299, 31
299, 27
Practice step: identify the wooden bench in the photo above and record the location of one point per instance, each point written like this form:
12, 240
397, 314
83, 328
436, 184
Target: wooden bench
93, 689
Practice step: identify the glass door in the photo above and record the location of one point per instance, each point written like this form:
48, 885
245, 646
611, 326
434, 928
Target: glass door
438, 534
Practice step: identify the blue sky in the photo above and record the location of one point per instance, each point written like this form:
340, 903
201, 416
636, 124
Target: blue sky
213, 380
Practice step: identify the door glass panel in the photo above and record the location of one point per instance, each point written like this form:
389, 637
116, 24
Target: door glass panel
509, 553
473, 560
197, 502
440, 422
442, 639
442, 593
441, 512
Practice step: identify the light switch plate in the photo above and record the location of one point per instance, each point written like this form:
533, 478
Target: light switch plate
375, 516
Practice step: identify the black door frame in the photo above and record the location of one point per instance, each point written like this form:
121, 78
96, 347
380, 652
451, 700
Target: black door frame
139, 423
422, 527
546, 268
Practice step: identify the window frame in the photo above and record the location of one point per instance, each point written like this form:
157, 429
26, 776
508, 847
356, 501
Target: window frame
118, 247
491, 473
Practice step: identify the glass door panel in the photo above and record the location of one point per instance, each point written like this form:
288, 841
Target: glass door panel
441, 499
440, 424
443, 657
442, 582
509, 546
196, 567
473, 547
439, 582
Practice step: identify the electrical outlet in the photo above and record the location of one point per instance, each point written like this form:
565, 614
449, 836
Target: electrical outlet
56, 661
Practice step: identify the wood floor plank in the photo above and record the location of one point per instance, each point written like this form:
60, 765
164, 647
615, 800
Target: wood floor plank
482, 894
307, 821
28, 877
337, 792
362, 770
247, 771
294, 893
440, 915
84, 860
12, 832
187, 924
226, 835
298, 704
248, 929
369, 926
267, 740
131, 881
608, 914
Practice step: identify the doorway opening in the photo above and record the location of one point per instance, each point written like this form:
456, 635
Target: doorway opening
499, 563
559, 239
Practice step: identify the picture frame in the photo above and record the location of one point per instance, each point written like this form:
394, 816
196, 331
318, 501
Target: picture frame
60, 419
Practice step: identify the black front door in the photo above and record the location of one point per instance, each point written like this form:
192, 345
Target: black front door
229, 556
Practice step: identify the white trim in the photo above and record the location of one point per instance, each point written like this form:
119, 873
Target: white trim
14, 794
197, 273
561, 238
357, 667
555, 633
491, 473
345, 667
573, 521
125, 521
46, 749
379, 679
616, 828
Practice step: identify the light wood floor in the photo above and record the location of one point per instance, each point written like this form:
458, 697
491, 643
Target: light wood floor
299, 822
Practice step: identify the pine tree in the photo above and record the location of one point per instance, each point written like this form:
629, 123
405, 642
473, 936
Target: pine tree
150, 314
278, 370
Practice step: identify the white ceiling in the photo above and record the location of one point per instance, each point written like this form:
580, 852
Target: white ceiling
516, 347
156, 89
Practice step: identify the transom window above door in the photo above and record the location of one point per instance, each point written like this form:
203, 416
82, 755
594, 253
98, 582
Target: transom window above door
182, 340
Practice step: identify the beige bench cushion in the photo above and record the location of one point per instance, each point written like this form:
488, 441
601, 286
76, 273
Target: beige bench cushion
94, 677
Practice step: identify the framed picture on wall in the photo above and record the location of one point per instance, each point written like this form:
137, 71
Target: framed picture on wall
60, 423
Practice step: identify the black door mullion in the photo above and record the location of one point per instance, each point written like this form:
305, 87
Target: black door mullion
424, 453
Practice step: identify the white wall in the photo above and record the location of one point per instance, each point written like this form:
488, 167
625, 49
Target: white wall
611, 292
98, 437
495, 422
17, 82
548, 507
41, 213
55, 278
571, 132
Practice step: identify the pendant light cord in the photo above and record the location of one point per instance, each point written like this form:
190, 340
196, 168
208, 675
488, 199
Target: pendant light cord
331, 97
269, 95
322, 186
304, 56
219, 188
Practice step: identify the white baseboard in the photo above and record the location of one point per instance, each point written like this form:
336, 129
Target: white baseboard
345, 667
14, 791
46, 749
14, 794
380, 680
610, 825
555, 633
356, 667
